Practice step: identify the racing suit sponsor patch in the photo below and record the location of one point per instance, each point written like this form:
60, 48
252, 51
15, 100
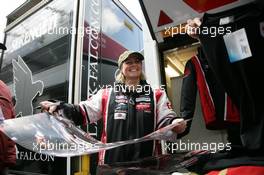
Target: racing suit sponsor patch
143, 107
120, 116
143, 99
121, 100
121, 97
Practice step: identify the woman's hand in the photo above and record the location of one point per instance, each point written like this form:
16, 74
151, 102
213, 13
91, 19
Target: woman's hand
192, 27
181, 125
50, 107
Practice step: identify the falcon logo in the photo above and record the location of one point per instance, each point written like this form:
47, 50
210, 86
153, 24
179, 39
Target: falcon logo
24, 88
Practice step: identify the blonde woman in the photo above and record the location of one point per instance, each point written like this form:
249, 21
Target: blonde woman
129, 110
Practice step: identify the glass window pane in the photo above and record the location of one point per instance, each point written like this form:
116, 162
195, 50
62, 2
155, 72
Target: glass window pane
43, 40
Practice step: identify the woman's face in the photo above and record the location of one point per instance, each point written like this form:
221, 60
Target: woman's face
132, 68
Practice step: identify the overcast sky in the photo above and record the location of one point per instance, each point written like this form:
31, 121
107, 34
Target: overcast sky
7, 6
134, 7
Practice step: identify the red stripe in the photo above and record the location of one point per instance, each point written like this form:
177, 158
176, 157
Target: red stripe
241, 170
158, 95
205, 5
246, 170
232, 114
157, 144
208, 108
105, 97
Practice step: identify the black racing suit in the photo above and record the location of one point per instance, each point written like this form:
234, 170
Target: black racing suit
218, 110
126, 115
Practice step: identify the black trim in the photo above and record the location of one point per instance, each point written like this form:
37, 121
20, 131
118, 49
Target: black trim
76, 25
147, 19
162, 69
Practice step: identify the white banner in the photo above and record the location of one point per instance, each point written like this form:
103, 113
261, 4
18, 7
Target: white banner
57, 136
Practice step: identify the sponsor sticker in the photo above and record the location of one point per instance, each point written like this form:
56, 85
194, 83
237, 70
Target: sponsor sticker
237, 45
122, 101
120, 116
141, 99
143, 107
119, 97
226, 20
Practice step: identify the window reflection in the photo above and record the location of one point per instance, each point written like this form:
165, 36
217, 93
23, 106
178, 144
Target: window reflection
43, 42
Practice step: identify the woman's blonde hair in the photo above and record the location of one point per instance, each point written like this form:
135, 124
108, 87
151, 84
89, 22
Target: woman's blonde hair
120, 78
